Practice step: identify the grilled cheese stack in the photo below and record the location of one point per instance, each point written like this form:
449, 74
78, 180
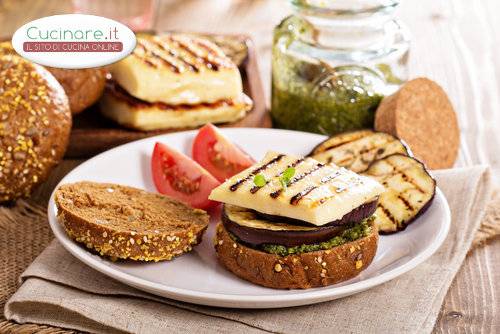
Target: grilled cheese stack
290, 222
317, 193
174, 81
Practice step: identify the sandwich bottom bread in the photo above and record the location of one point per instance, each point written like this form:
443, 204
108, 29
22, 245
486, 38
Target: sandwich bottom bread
299, 267
128, 223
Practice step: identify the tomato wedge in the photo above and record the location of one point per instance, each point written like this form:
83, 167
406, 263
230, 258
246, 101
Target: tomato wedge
177, 176
220, 157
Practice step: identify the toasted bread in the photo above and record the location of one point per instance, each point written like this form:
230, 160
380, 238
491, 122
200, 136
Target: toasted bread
296, 271
128, 223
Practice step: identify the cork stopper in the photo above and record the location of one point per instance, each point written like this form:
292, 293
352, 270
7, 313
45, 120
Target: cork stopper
421, 114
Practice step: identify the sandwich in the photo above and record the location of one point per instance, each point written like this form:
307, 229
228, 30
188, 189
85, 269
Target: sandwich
290, 222
174, 81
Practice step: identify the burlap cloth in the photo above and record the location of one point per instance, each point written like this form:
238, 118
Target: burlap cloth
58, 290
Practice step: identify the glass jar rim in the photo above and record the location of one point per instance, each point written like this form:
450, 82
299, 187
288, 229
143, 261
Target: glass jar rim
336, 8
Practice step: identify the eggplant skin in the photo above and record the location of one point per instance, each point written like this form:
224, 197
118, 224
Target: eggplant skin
358, 214
294, 236
397, 209
356, 150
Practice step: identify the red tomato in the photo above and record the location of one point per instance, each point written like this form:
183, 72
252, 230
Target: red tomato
218, 155
177, 176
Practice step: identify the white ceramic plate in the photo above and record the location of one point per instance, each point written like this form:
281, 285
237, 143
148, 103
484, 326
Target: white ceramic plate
196, 277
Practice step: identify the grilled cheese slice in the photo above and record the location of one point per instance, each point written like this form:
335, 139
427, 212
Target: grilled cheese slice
317, 193
178, 69
130, 112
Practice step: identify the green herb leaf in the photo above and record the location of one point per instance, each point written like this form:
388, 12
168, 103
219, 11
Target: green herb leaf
284, 183
287, 176
259, 180
288, 173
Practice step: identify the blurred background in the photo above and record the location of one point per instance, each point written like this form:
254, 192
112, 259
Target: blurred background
453, 42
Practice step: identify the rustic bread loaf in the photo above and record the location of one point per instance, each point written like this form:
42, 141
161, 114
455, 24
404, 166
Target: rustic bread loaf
82, 86
421, 114
297, 271
128, 223
35, 123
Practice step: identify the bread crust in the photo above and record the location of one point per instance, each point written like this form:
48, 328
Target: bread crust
83, 86
108, 239
298, 271
35, 122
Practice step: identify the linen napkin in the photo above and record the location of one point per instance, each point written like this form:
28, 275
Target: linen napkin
61, 291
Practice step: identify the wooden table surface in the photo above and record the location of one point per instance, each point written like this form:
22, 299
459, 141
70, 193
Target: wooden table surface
456, 43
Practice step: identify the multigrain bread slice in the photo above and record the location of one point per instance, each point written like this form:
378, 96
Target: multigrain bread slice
297, 271
128, 223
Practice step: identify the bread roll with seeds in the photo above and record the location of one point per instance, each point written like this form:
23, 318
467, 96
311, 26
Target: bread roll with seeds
296, 271
128, 223
35, 123
82, 86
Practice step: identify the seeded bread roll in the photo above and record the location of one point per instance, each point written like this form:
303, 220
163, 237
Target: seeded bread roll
35, 123
298, 271
128, 223
82, 86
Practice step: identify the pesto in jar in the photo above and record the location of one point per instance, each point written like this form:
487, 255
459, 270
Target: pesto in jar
310, 94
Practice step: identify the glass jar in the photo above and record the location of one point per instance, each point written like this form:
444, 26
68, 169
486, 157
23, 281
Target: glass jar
333, 61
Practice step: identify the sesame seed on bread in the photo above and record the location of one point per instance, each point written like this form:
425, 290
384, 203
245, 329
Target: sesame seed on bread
296, 271
83, 86
128, 223
35, 122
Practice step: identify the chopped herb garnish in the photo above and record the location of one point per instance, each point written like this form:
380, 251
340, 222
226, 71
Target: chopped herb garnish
287, 176
259, 180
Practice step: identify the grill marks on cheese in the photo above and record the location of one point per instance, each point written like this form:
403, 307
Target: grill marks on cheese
317, 193
297, 197
179, 54
292, 165
296, 179
256, 171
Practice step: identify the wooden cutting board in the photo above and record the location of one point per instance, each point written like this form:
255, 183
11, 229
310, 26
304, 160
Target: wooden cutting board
92, 133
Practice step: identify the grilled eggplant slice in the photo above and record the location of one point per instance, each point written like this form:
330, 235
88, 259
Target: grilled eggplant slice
358, 214
357, 150
409, 191
254, 230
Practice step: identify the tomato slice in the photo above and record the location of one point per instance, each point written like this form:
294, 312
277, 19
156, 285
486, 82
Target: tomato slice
177, 176
219, 156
